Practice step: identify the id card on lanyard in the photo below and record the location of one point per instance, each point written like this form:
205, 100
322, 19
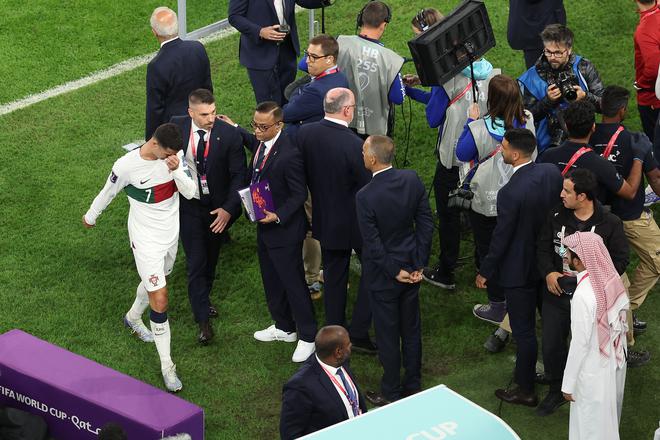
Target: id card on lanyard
201, 170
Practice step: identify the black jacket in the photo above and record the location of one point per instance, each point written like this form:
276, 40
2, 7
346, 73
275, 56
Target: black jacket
545, 108
606, 224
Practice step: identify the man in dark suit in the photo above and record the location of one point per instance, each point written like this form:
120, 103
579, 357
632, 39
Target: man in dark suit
323, 391
179, 68
522, 207
527, 19
214, 153
266, 50
397, 228
335, 172
306, 102
280, 234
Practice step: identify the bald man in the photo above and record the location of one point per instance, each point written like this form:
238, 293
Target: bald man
179, 68
323, 392
397, 228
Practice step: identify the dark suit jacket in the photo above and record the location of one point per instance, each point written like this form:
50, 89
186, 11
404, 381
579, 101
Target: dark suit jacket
225, 168
306, 103
179, 68
310, 401
335, 173
396, 225
249, 16
528, 18
523, 205
286, 177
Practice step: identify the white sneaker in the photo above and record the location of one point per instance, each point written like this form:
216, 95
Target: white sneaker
139, 329
272, 333
303, 351
172, 382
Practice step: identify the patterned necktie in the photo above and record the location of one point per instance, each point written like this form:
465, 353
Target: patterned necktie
257, 165
201, 166
349, 390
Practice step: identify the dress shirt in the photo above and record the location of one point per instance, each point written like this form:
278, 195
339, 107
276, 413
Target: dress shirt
517, 167
380, 171
267, 145
190, 159
344, 399
337, 121
167, 41
279, 9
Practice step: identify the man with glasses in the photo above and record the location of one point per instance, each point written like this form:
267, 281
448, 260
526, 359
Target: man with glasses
558, 78
306, 102
277, 162
216, 160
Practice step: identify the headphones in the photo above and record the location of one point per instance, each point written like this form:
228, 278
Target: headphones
359, 22
421, 20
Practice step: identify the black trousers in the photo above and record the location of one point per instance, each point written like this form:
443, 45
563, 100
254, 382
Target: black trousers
482, 231
202, 248
449, 230
521, 304
531, 55
269, 85
556, 325
287, 295
336, 263
399, 337
649, 118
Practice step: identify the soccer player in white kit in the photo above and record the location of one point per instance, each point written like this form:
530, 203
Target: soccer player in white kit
151, 176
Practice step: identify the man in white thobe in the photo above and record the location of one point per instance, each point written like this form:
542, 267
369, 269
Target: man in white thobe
595, 373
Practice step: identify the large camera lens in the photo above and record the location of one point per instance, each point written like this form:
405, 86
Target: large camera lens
568, 92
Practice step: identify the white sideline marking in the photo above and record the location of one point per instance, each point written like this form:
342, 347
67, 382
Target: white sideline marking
117, 69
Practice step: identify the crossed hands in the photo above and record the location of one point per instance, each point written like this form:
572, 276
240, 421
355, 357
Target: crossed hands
409, 277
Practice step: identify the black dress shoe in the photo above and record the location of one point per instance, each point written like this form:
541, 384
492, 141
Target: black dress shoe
517, 396
213, 312
639, 326
552, 401
542, 379
376, 398
366, 346
205, 333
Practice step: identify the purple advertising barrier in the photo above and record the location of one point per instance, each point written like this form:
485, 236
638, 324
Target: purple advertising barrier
77, 396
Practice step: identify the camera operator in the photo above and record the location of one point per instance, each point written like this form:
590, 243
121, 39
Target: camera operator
481, 142
558, 78
446, 108
372, 71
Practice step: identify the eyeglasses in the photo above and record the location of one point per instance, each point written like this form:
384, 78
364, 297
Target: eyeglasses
557, 54
262, 127
349, 106
314, 57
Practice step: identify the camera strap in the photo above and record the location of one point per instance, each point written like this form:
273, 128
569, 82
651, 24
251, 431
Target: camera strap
460, 95
470, 174
610, 144
574, 159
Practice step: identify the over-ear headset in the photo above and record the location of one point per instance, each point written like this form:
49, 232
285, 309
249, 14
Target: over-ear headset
422, 24
359, 22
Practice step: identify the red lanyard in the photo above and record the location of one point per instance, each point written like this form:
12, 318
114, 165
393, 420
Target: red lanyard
256, 156
327, 72
194, 148
342, 389
574, 159
586, 276
610, 144
460, 95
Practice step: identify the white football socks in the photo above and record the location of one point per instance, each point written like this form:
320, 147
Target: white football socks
162, 338
140, 304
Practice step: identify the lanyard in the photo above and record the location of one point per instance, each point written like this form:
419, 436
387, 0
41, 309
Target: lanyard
586, 276
610, 144
327, 72
354, 405
460, 95
574, 159
194, 148
260, 168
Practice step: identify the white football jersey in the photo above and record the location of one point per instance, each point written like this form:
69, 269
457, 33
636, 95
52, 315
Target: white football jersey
153, 218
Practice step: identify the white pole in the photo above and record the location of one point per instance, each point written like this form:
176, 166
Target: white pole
311, 24
181, 13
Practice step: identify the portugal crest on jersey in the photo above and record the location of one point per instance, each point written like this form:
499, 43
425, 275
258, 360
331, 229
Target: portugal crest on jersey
153, 279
